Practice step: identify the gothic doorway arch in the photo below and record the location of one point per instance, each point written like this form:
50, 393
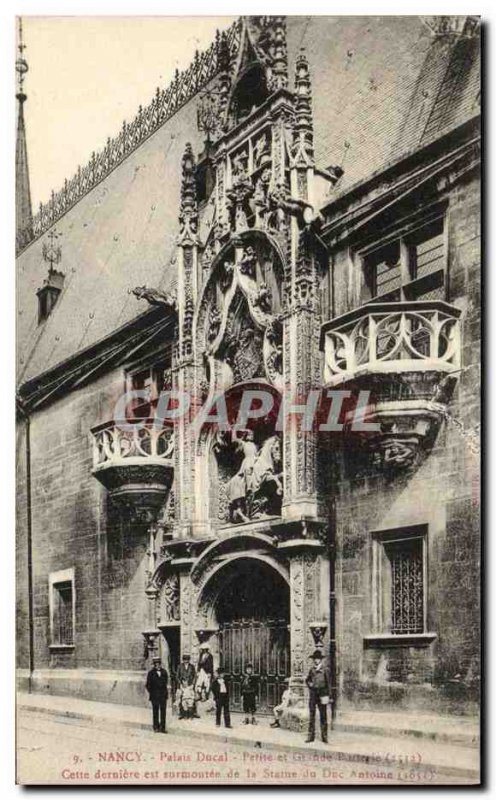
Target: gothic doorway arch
252, 611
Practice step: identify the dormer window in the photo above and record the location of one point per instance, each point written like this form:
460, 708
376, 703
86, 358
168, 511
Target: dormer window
250, 93
49, 293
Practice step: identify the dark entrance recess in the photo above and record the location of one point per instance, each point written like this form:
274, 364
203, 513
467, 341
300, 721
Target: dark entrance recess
253, 616
171, 651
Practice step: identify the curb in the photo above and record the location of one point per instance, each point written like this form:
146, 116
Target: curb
461, 739
338, 755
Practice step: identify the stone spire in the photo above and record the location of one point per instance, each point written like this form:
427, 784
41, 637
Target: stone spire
24, 216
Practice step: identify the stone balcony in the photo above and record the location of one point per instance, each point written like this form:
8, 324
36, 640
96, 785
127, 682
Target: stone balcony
134, 461
404, 354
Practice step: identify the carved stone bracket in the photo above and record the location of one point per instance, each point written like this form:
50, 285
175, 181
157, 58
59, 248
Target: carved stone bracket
318, 631
302, 532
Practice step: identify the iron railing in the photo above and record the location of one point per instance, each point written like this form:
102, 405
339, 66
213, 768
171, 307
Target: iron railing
165, 103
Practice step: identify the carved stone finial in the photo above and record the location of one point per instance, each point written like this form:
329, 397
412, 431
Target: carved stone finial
224, 56
51, 252
188, 215
21, 65
278, 70
303, 128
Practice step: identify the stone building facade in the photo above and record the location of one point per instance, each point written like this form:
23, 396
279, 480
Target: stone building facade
310, 219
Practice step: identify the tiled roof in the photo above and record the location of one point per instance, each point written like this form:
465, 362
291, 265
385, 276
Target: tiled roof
376, 82
381, 88
120, 235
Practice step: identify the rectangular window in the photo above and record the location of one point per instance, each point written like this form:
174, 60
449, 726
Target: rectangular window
62, 608
384, 267
151, 381
400, 581
407, 585
426, 249
410, 267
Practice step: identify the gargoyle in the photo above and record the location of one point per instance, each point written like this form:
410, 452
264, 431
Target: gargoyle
155, 297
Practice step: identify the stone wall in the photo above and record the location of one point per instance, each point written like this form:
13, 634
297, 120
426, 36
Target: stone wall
74, 525
441, 494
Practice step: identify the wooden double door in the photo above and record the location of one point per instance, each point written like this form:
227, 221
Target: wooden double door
263, 643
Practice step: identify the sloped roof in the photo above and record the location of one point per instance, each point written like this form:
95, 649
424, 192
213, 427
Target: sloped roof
377, 86
120, 235
375, 82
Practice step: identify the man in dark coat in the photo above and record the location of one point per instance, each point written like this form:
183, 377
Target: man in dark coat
186, 676
220, 691
156, 685
318, 685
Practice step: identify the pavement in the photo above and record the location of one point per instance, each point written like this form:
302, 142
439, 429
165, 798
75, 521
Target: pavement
443, 745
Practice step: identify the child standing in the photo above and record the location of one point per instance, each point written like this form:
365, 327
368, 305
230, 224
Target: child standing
220, 691
249, 687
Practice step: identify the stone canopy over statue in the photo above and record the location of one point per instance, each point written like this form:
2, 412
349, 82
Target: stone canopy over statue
256, 488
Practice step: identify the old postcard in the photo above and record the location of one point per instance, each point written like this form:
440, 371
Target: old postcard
248, 351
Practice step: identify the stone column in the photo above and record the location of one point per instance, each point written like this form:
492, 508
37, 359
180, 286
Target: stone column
186, 370
302, 319
309, 585
186, 595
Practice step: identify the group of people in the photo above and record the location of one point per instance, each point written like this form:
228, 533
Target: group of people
195, 685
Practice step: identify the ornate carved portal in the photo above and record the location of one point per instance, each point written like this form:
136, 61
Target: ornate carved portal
246, 601
248, 266
248, 271
240, 333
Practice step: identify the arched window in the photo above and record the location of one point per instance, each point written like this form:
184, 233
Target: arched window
250, 92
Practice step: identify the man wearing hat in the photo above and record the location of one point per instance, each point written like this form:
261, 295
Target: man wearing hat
205, 672
318, 684
186, 676
156, 686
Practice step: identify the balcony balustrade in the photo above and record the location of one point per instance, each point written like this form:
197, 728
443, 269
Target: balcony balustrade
134, 461
403, 353
392, 337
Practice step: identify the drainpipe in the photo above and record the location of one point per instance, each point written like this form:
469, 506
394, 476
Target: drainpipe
25, 414
332, 612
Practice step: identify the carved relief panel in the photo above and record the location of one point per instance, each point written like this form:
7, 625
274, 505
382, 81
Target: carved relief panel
170, 600
249, 467
238, 324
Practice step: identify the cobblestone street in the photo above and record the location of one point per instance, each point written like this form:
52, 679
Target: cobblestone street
93, 752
